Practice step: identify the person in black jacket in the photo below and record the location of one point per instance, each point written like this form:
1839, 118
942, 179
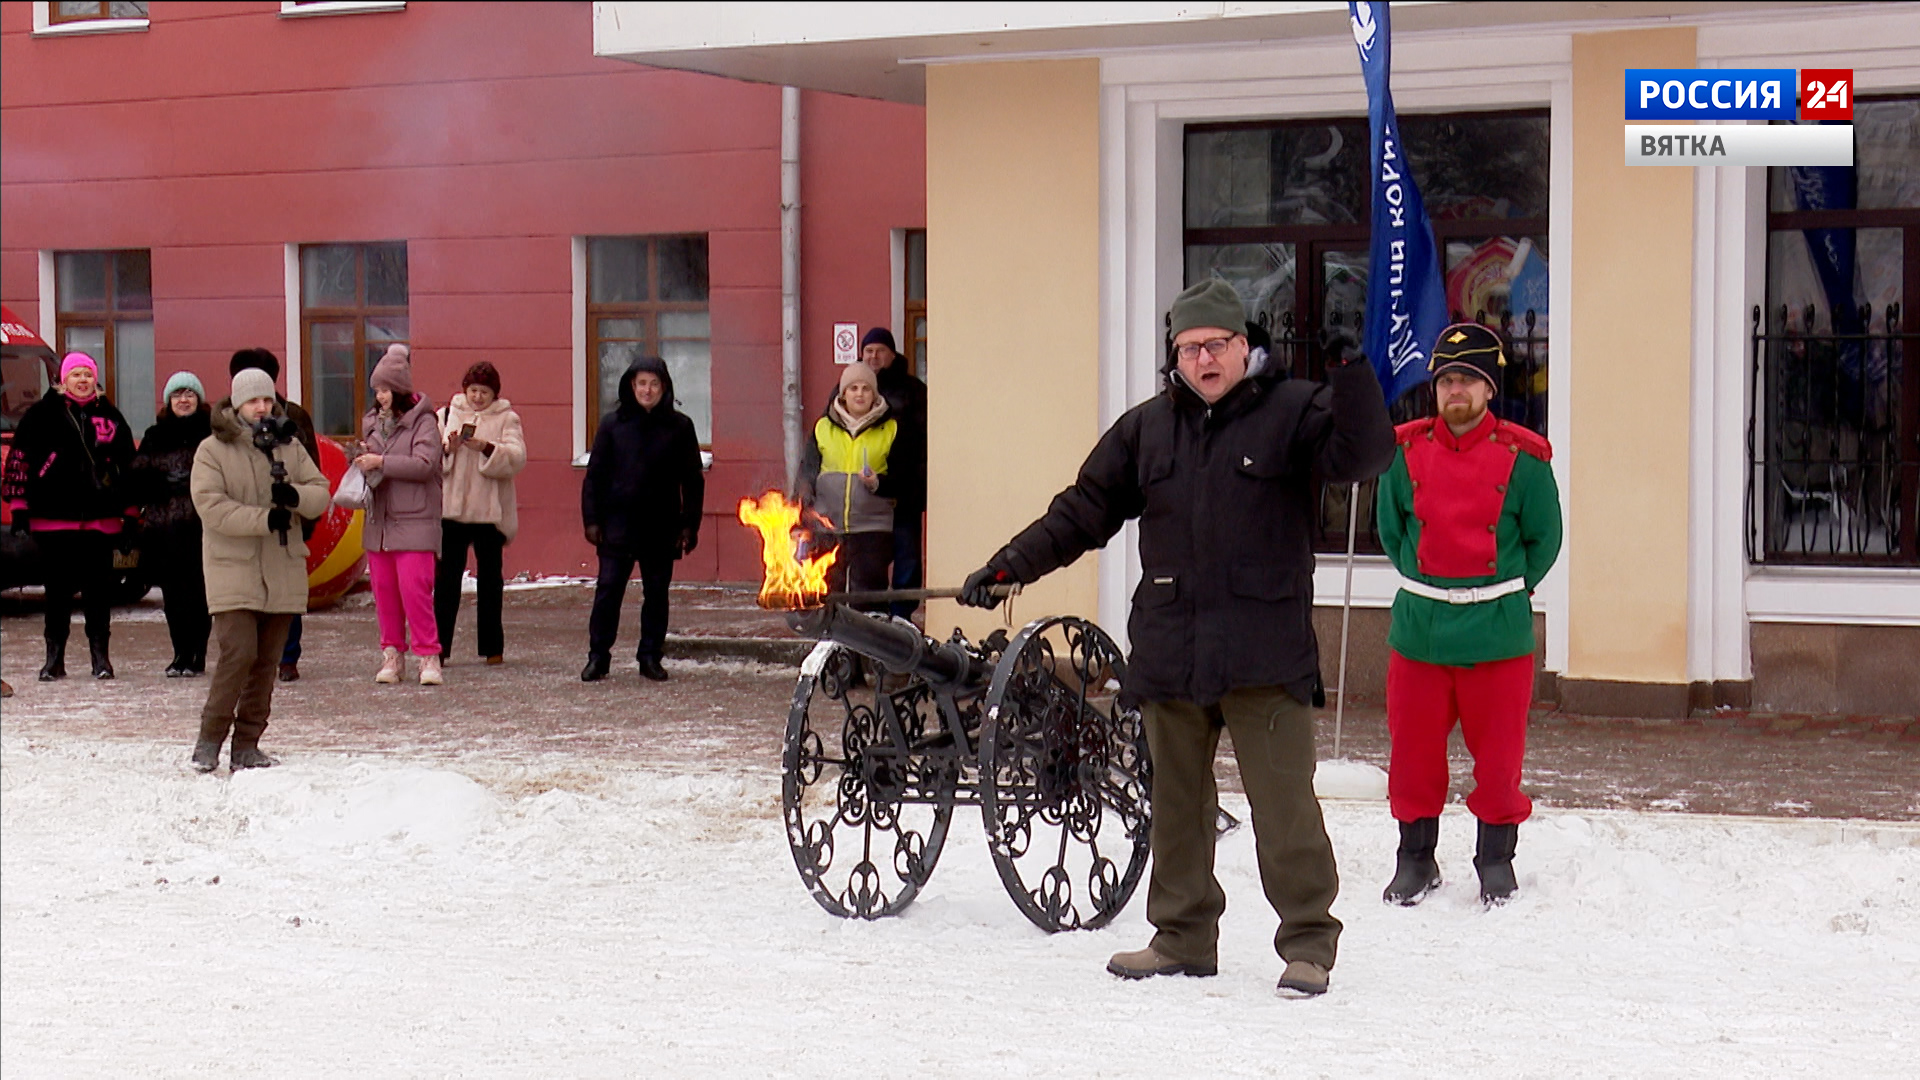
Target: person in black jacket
66, 479
1221, 469
907, 404
170, 533
640, 503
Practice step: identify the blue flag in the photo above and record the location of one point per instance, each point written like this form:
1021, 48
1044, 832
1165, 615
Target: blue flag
1406, 295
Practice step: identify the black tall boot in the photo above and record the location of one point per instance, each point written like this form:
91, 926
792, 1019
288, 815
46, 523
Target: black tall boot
56, 665
1415, 872
102, 665
1494, 861
206, 749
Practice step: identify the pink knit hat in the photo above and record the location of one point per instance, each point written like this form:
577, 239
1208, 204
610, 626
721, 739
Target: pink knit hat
78, 359
394, 371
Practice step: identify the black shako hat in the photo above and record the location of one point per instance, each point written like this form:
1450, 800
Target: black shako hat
1470, 347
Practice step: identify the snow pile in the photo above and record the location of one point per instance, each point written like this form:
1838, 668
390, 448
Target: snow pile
1344, 778
553, 915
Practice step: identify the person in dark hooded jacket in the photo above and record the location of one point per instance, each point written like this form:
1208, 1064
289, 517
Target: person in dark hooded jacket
170, 534
640, 504
67, 482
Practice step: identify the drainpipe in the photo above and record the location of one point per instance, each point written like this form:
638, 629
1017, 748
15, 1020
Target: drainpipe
790, 278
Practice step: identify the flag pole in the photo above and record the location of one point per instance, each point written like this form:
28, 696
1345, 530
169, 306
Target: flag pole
1346, 616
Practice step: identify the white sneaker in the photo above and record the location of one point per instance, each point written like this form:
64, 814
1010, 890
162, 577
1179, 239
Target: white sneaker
390, 666
430, 671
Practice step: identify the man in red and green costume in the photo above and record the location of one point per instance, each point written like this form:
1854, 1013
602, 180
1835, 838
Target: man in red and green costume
1470, 515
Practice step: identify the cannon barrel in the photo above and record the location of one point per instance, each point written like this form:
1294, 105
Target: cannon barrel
896, 644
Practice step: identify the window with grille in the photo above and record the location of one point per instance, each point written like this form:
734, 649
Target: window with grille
103, 302
1281, 210
353, 304
1834, 428
647, 296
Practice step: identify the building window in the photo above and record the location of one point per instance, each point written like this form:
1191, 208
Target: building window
1281, 210
103, 303
353, 304
647, 296
914, 340
1834, 433
62, 13
303, 8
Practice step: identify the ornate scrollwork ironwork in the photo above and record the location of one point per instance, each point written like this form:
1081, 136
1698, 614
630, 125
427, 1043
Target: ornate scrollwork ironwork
1065, 781
866, 816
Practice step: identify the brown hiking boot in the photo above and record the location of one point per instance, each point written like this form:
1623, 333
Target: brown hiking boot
1303, 978
1146, 963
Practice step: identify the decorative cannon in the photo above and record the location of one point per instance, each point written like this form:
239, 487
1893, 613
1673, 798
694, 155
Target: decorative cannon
890, 730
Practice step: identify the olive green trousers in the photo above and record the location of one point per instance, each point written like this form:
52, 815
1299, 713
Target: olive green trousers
1273, 742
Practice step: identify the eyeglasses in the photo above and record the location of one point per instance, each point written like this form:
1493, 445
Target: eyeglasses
1216, 348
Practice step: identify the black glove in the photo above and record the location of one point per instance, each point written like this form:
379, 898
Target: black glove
20, 522
284, 494
279, 519
1341, 344
978, 590
593, 535
689, 539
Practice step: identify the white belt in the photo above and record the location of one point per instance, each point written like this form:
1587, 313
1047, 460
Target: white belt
1477, 595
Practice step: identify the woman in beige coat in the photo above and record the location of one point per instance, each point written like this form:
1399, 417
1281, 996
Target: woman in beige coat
484, 449
255, 561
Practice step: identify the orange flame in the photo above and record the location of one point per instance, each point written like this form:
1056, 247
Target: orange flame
789, 582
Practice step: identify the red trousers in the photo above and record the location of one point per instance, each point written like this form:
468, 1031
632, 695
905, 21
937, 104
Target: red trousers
1490, 701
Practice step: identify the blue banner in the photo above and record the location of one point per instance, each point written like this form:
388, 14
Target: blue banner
1668, 94
1406, 295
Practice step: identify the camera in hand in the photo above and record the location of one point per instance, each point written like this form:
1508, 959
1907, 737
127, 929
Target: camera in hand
268, 433
272, 431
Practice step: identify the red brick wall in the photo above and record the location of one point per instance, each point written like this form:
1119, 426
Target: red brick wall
486, 136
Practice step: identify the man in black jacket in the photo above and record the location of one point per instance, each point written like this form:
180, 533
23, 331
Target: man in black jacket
640, 503
1221, 469
907, 404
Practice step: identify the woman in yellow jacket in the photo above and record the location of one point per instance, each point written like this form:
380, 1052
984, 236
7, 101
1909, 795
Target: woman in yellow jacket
844, 478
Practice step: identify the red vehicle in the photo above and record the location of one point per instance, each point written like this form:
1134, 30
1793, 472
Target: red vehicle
28, 372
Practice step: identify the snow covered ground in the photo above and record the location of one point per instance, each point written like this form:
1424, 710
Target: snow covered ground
517, 914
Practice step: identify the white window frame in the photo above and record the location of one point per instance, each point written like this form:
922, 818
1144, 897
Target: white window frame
43, 24
1148, 98
339, 7
1728, 593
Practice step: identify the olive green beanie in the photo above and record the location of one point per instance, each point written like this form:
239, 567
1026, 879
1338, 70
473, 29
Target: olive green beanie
1210, 303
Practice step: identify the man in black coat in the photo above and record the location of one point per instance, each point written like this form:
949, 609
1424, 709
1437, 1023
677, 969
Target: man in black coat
907, 404
1221, 469
640, 503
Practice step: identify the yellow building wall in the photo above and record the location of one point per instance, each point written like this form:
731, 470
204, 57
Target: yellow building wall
1013, 303
1630, 358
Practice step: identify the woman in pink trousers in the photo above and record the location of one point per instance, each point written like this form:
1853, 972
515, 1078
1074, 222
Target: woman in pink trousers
401, 459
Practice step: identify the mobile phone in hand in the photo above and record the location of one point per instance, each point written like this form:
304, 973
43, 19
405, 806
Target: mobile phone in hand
466, 431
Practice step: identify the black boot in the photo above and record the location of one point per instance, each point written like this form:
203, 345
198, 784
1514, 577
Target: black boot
598, 664
1415, 872
178, 668
250, 756
56, 665
206, 749
102, 665
1494, 861
650, 669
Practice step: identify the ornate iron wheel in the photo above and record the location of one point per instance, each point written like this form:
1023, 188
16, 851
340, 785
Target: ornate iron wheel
866, 810
1065, 780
